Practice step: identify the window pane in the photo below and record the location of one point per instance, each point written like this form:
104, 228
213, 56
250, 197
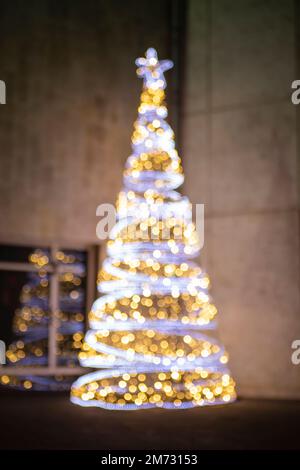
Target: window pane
17, 254
68, 257
24, 322
72, 304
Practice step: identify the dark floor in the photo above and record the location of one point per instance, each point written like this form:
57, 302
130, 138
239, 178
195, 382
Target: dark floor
44, 421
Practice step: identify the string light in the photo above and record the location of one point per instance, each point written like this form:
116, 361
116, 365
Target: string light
150, 328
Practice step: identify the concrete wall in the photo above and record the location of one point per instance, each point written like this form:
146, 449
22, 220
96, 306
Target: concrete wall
65, 133
72, 95
240, 158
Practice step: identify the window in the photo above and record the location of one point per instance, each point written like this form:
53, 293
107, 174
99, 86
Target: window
44, 295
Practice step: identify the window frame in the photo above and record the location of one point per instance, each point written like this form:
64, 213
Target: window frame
54, 269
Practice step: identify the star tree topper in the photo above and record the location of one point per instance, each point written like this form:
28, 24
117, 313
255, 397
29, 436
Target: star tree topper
152, 69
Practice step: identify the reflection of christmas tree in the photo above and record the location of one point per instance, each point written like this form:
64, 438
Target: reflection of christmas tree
150, 331
31, 322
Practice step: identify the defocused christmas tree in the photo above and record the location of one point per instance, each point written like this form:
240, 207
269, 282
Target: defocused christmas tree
147, 331
31, 322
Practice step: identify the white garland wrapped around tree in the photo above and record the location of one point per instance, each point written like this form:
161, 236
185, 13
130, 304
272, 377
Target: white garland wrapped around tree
150, 331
